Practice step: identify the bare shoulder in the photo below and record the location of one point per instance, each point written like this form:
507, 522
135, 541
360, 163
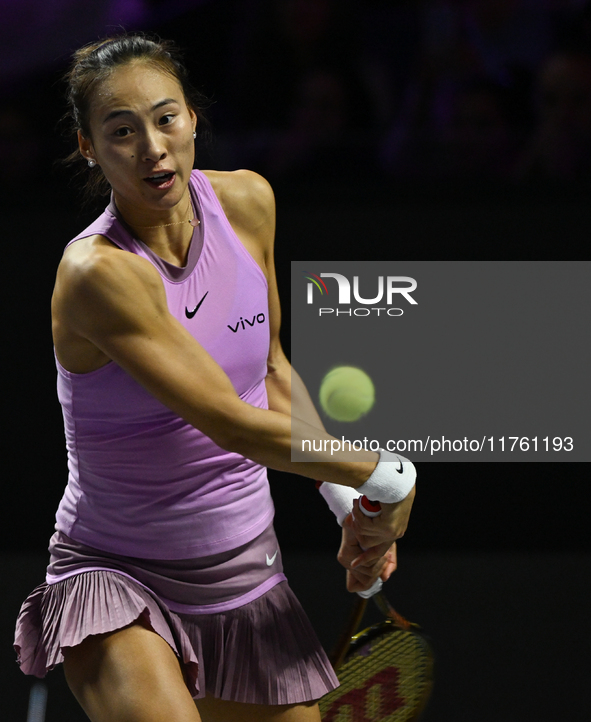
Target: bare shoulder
248, 201
96, 254
99, 291
96, 279
94, 264
240, 187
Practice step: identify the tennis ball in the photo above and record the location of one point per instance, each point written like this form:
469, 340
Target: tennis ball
346, 393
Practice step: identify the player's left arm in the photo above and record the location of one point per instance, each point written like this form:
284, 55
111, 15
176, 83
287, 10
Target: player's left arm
286, 391
249, 204
288, 394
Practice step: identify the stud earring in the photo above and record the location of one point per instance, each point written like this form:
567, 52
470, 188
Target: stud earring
91, 162
194, 134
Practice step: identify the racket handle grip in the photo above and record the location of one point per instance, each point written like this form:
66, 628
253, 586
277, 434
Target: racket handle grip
369, 507
374, 589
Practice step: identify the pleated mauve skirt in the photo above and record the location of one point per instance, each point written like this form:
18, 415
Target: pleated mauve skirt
264, 652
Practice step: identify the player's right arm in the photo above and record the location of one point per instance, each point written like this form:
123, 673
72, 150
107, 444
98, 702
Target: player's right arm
109, 304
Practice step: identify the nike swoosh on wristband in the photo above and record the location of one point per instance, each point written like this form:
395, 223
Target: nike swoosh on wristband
190, 314
270, 560
401, 470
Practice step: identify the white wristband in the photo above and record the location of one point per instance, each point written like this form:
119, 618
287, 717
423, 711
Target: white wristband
339, 499
392, 479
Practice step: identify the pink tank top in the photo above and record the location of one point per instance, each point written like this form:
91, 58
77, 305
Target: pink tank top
142, 482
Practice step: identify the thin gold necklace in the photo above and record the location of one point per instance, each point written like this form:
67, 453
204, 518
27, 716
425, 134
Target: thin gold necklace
193, 221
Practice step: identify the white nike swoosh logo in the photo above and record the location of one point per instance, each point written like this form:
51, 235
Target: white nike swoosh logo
270, 560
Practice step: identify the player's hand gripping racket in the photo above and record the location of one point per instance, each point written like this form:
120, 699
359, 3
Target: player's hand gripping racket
371, 509
385, 670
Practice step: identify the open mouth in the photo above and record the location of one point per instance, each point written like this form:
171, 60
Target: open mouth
161, 180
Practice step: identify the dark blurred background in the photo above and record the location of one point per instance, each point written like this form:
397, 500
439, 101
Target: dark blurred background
433, 129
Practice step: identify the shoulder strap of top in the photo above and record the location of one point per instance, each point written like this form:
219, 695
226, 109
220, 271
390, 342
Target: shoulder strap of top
108, 225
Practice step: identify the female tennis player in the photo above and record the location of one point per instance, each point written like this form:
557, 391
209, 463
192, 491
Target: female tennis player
165, 596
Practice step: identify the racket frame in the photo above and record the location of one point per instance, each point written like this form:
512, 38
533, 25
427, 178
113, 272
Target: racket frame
350, 641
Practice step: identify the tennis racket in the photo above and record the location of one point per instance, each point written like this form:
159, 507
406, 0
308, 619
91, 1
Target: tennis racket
385, 670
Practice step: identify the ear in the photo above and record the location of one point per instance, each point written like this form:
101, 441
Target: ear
193, 115
85, 146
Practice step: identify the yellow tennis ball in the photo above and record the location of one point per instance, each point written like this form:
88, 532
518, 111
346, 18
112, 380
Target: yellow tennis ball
346, 393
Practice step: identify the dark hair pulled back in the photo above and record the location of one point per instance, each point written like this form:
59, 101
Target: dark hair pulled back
94, 62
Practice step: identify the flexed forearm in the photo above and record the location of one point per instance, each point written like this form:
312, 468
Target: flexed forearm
270, 438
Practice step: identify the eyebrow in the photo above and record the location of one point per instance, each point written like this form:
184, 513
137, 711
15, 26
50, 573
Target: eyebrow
159, 104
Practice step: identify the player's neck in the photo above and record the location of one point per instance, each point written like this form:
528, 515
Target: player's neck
171, 244
168, 235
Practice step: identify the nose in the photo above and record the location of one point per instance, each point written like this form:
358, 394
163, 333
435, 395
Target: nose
154, 149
